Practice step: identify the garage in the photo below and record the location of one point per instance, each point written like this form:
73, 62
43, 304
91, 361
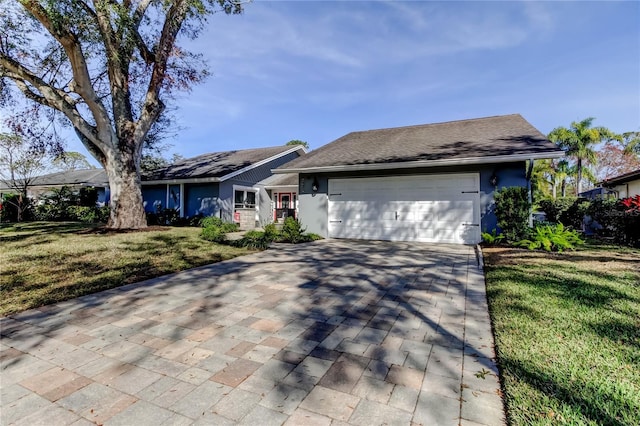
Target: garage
425, 183
423, 208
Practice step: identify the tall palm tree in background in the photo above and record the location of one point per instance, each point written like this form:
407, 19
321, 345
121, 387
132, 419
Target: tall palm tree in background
578, 141
562, 172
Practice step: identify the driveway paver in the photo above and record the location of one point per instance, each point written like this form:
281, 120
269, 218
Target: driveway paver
331, 332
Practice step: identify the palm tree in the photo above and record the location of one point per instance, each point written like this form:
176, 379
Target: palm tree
562, 172
578, 142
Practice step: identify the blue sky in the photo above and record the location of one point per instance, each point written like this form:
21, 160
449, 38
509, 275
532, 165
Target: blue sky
318, 70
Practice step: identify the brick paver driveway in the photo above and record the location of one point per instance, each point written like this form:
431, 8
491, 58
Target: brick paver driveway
333, 332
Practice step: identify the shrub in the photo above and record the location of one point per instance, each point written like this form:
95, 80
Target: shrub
271, 230
213, 233
492, 238
553, 209
512, 210
217, 222
9, 208
569, 211
255, 240
215, 229
292, 231
88, 196
630, 220
552, 238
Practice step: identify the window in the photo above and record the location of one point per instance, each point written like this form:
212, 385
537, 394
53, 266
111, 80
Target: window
244, 199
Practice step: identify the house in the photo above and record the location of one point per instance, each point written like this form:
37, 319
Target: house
429, 183
623, 186
222, 184
73, 179
282, 189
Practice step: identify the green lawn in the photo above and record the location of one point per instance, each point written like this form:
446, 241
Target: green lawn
45, 262
567, 330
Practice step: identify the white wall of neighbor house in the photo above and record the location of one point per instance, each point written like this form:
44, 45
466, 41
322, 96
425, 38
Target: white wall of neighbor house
629, 189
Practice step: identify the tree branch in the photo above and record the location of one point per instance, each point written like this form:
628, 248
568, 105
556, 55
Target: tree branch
50, 96
82, 78
153, 106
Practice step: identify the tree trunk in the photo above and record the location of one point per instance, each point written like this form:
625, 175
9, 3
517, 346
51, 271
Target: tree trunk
127, 210
554, 190
579, 178
564, 188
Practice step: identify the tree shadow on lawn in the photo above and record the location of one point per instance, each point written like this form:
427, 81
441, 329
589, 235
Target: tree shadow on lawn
26, 230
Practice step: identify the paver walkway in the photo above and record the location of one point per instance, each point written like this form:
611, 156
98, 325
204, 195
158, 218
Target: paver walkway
332, 332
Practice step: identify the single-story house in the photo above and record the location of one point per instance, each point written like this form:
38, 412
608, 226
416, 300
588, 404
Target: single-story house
73, 179
222, 184
429, 183
623, 186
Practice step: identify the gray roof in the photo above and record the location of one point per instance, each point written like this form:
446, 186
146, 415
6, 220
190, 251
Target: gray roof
506, 135
287, 179
87, 177
216, 164
620, 179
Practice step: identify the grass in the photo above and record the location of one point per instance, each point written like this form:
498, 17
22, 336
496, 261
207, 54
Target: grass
567, 330
46, 262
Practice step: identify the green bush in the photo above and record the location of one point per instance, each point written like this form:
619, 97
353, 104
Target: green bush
569, 211
512, 209
551, 238
492, 238
271, 231
9, 208
214, 233
292, 231
255, 240
215, 229
217, 222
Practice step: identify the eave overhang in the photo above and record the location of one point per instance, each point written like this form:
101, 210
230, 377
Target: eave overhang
424, 164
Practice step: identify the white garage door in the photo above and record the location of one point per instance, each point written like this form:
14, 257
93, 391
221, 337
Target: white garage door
426, 208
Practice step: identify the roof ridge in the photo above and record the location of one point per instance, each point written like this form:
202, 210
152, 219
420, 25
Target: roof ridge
413, 126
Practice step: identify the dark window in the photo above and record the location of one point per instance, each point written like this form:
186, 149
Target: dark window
244, 199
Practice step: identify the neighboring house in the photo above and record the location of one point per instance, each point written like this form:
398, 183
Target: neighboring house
222, 184
430, 183
623, 186
73, 179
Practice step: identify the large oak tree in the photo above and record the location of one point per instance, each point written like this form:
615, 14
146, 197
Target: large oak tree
109, 67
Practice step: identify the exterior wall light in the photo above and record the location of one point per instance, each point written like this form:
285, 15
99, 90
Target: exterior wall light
315, 185
493, 180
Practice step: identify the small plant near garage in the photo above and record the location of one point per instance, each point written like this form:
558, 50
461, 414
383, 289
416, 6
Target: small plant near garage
551, 237
492, 238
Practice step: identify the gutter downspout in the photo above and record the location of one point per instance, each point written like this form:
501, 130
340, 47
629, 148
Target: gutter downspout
530, 191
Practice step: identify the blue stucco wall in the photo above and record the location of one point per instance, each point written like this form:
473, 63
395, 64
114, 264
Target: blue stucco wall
313, 207
201, 198
152, 194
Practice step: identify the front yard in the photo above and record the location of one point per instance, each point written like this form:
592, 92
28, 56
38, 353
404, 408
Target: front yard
567, 330
47, 262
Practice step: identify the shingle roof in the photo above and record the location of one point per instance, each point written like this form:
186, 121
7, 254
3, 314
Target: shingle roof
93, 177
287, 179
215, 164
624, 178
505, 135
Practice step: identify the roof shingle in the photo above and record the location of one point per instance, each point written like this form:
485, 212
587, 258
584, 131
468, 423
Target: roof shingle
215, 164
476, 138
